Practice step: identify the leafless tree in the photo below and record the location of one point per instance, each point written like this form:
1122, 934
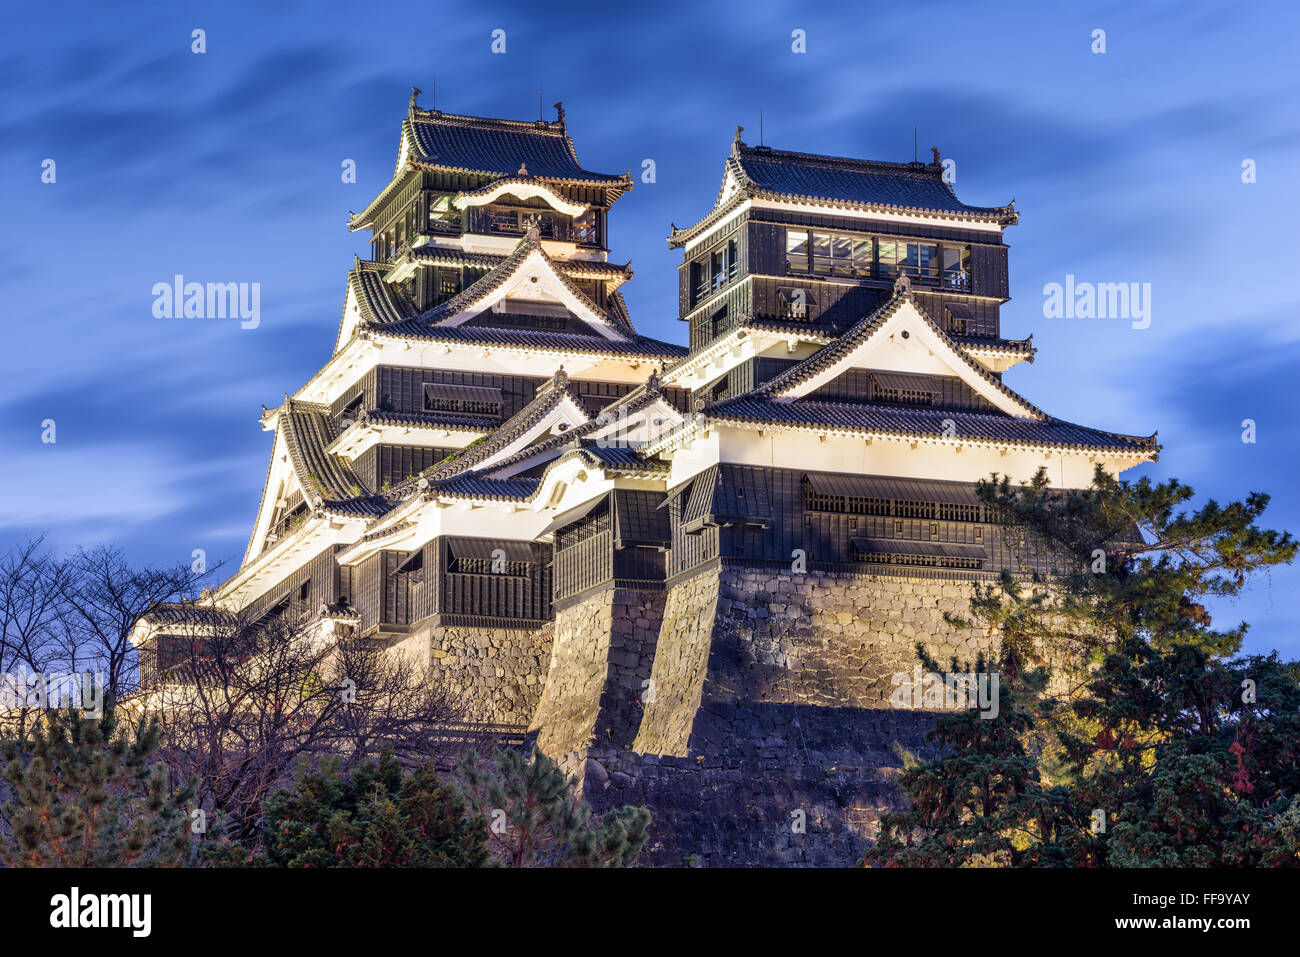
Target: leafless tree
103, 596
243, 703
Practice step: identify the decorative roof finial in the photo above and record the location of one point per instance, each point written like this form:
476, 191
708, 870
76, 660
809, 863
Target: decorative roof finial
523, 169
902, 286
559, 113
652, 383
737, 141
413, 105
934, 151
561, 377
532, 233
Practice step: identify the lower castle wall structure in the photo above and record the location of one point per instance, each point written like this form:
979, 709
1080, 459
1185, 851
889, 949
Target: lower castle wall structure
767, 736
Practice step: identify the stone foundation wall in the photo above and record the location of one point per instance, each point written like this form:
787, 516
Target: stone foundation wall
602, 656
771, 711
497, 674
736, 806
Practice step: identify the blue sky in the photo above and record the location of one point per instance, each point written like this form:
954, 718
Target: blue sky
225, 167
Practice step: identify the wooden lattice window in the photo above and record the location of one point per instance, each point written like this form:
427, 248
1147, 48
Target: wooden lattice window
918, 561
463, 399
486, 566
900, 396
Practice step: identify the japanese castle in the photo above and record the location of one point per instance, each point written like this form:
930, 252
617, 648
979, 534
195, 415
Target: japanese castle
634, 550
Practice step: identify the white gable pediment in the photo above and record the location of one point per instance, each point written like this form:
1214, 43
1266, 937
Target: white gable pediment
570, 485
281, 483
567, 414
639, 427
351, 318
520, 191
536, 280
908, 342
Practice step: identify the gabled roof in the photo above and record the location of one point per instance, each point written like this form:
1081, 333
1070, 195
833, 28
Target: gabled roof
328, 485
898, 186
552, 394
838, 354
380, 311
477, 144
449, 142
369, 301
431, 255
328, 482
376, 299
529, 340
489, 288
481, 484
760, 172
926, 423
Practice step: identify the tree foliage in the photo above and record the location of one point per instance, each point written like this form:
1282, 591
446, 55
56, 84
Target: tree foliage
1131, 732
86, 792
375, 815
535, 819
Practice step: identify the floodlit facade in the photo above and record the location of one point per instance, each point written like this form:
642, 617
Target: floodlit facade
688, 572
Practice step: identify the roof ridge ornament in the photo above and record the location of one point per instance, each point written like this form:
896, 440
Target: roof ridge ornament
523, 170
902, 286
559, 113
937, 161
738, 141
413, 107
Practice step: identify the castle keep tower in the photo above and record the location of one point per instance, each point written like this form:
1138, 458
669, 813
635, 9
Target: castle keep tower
690, 573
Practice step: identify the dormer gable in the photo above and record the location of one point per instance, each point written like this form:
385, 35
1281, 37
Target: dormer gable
897, 338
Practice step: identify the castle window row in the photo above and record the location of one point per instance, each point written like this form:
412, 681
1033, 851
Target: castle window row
713, 271
877, 257
461, 399
815, 501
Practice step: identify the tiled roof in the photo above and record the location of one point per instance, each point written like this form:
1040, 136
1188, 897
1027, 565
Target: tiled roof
479, 486
761, 172
505, 270
901, 186
486, 147
376, 299
925, 423
830, 354
549, 395
574, 268
427, 420
328, 482
533, 340
619, 457
482, 145
187, 613
1023, 347
384, 314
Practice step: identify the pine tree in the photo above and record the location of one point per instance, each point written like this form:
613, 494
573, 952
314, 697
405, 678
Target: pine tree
85, 792
376, 815
981, 803
536, 820
1196, 763
1144, 742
